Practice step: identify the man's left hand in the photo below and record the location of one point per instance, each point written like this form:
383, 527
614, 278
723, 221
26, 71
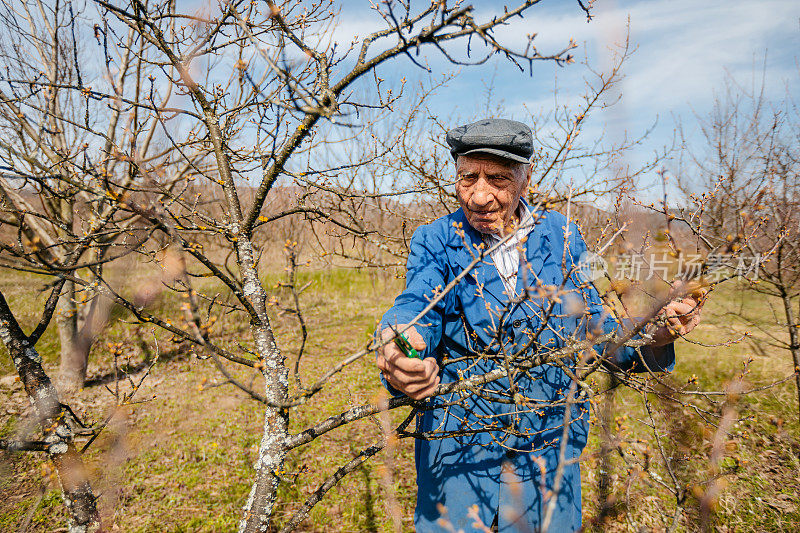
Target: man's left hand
681, 317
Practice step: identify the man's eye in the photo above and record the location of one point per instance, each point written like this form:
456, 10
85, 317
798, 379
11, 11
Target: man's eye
467, 179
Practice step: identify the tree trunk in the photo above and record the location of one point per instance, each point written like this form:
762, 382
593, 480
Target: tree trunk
74, 352
794, 343
78, 330
53, 418
272, 450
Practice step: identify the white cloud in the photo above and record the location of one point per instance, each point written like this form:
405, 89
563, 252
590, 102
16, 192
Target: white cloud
684, 47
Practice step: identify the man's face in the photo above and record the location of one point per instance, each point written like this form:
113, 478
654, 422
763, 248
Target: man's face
489, 189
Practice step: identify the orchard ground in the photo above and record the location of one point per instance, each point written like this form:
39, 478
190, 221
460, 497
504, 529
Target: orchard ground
182, 459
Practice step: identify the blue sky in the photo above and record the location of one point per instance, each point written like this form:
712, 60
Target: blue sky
685, 49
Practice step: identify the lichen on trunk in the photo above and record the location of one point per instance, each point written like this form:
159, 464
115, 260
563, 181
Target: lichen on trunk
53, 417
272, 450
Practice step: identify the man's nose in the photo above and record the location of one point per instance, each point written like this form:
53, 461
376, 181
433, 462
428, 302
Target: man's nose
482, 194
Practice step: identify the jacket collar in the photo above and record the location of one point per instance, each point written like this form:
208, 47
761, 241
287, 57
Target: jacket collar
538, 247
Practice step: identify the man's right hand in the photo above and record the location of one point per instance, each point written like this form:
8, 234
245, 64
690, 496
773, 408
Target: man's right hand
416, 378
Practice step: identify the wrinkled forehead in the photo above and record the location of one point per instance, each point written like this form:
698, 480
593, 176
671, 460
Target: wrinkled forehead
492, 161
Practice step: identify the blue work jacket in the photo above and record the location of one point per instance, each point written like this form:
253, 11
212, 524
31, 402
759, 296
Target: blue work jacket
501, 456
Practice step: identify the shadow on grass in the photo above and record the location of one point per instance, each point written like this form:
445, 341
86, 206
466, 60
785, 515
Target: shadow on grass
180, 352
369, 500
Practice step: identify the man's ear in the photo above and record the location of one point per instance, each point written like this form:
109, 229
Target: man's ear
528, 172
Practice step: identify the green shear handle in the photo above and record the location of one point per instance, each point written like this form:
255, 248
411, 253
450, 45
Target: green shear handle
401, 341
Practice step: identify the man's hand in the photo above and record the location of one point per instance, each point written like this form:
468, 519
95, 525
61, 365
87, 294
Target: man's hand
416, 378
680, 317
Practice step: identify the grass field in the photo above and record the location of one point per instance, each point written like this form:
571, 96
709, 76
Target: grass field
182, 460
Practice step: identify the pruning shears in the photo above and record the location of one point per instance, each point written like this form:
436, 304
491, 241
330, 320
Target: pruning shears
401, 341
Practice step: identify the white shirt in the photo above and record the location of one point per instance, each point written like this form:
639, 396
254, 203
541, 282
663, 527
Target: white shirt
506, 257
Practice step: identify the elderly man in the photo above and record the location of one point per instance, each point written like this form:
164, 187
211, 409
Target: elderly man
494, 454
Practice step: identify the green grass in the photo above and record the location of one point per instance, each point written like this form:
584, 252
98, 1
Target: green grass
182, 461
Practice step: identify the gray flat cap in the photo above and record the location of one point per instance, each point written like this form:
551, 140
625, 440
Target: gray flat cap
497, 136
